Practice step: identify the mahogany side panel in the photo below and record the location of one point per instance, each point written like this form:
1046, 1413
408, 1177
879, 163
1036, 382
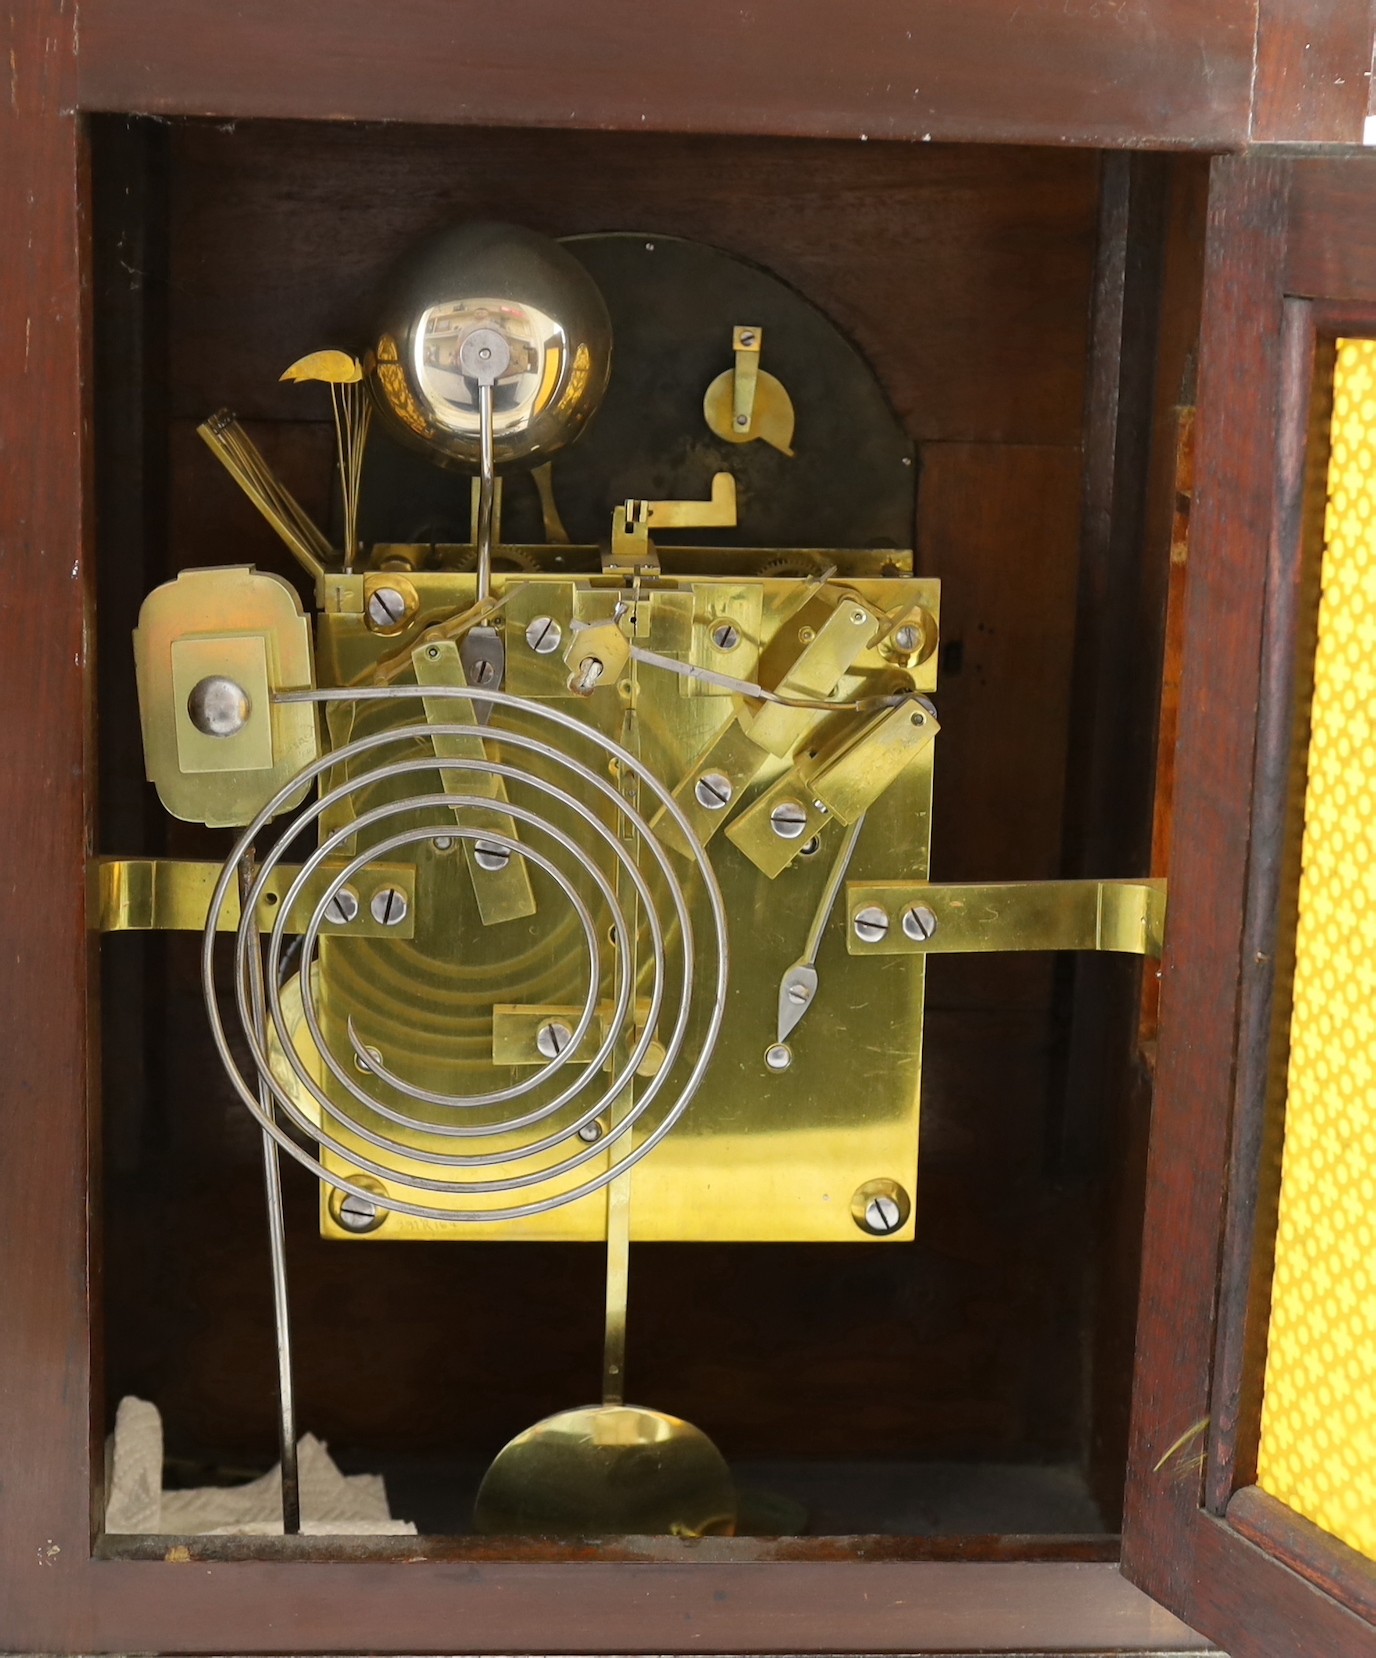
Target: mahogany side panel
1137, 72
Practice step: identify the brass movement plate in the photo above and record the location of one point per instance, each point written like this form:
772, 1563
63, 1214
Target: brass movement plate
761, 1155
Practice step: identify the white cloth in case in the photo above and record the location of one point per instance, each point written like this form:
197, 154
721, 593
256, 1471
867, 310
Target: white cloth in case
332, 1503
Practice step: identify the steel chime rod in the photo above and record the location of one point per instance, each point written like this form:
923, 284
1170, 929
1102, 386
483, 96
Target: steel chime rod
277, 1243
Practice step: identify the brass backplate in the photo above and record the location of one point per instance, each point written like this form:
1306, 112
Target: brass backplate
761, 1155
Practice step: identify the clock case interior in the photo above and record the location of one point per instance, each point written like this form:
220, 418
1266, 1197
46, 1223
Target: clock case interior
971, 1384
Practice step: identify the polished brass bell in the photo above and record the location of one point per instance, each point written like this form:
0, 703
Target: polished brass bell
491, 301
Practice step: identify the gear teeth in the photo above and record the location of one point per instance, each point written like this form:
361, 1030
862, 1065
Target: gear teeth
797, 567
513, 560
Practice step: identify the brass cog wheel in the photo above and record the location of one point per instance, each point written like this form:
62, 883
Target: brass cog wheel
793, 567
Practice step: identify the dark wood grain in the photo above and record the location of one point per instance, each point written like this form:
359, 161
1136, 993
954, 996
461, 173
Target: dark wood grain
1305, 1548
1138, 72
1332, 240
46, 774
1313, 71
1006, 706
256, 1606
1143, 337
1267, 956
961, 272
1249, 1598
1214, 756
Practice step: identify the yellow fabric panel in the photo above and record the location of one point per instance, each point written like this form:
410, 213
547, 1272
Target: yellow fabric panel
1318, 1429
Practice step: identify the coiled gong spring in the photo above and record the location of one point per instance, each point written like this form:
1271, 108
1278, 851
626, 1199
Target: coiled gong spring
599, 863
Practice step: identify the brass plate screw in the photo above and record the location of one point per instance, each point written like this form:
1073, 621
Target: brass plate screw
871, 924
713, 790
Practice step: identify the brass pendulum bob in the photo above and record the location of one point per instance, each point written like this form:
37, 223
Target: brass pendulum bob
611, 1469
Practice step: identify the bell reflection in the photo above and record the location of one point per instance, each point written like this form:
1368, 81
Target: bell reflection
537, 351
542, 314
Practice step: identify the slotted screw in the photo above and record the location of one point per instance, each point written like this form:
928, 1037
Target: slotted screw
882, 1215
358, 1214
389, 906
905, 638
713, 791
726, 636
386, 608
544, 635
919, 923
342, 907
552, 1038
488, 855
788, 820
871, 924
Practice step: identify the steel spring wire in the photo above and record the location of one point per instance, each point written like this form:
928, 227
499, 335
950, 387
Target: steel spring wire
561, 1179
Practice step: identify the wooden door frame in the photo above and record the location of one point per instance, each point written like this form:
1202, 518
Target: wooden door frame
1291, 259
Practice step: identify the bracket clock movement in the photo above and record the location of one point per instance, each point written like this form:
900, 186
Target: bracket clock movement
575, 803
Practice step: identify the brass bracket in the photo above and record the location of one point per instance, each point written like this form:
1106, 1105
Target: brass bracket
501, 881
632, 548
746, 403
172, 895
746, 343
912, 918
517, 1028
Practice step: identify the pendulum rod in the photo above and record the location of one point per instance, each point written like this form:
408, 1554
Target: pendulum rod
618, 1283
486, 490
277, 1243
619, 1188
